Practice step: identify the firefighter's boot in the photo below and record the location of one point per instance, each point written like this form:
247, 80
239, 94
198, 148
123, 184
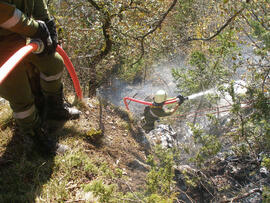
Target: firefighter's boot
57, 109
35, 136
43, 142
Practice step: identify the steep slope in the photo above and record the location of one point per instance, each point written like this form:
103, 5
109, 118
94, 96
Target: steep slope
114, 154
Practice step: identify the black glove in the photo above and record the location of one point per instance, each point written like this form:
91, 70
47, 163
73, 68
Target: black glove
44, 34
181, 99
53, 33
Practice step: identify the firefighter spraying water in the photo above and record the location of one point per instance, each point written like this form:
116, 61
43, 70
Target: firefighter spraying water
153, 112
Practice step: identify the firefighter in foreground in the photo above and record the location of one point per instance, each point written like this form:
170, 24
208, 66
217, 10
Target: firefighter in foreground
156, 110
20, 20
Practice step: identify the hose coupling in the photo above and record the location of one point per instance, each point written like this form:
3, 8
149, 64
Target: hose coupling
40, 44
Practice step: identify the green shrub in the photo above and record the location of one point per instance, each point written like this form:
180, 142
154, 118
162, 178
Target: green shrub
103, 191
160, 179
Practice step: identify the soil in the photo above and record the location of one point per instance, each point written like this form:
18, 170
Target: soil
111, 134
119, 143
104, 132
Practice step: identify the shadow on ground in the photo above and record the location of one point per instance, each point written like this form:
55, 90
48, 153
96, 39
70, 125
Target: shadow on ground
23, 175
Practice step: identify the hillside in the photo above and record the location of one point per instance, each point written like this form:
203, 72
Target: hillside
107, 162
91, 156
217, 144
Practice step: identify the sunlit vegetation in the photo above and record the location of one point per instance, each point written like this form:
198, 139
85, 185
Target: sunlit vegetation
124, 38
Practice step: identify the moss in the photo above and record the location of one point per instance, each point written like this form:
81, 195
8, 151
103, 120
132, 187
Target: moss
94, 135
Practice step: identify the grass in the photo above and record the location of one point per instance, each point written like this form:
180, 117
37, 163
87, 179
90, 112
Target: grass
57, 178
54, 179
87, 172
38, 179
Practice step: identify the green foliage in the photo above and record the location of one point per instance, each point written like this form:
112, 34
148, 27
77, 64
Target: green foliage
101, 34
266, 162
129, 73
74, 160
210, 145
258, 22
266, 194
6, 116
103, 191
251, 127
209, 67
226, 44
155, 198
91, 168
106, 171
159, 188
262, 34
198, 60
191, 180
94, 135
159, 182
186, 13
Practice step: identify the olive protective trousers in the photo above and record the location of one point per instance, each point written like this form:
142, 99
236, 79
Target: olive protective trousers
16, 87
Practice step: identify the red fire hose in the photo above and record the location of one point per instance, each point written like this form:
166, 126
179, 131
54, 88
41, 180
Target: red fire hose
169, 101
191, 114
15, 59
71, 71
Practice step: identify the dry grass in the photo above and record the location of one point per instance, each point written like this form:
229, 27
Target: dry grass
66, 177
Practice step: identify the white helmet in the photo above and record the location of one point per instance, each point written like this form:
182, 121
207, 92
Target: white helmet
160, 96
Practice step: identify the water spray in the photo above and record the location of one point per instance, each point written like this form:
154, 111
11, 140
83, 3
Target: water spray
194, 96
36, 46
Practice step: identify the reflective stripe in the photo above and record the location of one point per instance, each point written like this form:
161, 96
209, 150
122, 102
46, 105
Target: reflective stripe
152, 113
24, 114
13, 20
50, 78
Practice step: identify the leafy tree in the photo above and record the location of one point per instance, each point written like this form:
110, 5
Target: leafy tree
127, 37
105, 37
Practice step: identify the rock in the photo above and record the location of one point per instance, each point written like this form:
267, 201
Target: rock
62, 149
264, 172
164, 135
136, 164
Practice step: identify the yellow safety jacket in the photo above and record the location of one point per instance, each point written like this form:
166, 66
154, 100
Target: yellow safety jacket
19, 16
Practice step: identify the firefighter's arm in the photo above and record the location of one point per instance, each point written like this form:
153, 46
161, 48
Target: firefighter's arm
14, 20
41, 11
175, 108
180, 100
168, 112
173, 98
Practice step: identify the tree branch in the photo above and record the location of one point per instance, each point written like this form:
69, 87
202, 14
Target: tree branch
219, 30
158, 25
255, 190
265, 78
104, 51
258, 19
160, 21
94, 4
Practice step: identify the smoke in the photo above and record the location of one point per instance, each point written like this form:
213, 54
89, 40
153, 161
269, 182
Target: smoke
161, 78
